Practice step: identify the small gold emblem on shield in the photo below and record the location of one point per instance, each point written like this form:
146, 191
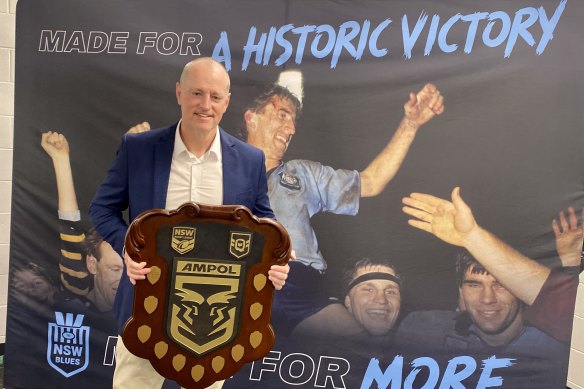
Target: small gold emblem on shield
239, 244
183, 239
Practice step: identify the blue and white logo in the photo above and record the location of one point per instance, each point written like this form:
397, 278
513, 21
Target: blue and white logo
68, 344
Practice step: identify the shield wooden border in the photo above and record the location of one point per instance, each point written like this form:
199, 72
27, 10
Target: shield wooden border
145, 332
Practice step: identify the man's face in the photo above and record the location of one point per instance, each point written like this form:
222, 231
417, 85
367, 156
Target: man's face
107, 271
271, 128
375, 304
203, 97
33, 285
492, 308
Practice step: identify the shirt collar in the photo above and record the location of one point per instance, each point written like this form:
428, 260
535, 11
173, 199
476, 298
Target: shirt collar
274, 169
180, 149
216, 146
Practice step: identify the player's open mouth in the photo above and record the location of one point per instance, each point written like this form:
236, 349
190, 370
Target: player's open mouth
378, 313
282, 139
488, 314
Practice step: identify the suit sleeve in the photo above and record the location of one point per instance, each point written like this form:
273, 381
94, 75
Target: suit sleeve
111, 200
262, 206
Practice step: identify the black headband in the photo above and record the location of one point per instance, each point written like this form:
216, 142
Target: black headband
373, 276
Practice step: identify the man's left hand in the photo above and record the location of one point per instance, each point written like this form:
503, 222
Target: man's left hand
569, 237
279, 273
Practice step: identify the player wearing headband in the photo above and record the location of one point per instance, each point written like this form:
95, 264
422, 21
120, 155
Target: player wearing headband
373, 295
371, 304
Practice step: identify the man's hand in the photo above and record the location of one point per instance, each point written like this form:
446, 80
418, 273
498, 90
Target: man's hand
55, 144
140, 127
422, 107
278, 274
135, 271
448, 221
453, 222
569, 236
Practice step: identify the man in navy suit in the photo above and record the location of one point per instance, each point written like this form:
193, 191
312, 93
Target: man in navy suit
193, 160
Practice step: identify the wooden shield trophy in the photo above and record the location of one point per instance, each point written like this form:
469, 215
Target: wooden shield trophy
204, 309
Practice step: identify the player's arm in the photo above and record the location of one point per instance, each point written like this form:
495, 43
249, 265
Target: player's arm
418, 110
454, 223
332, 322
57, 147
74, 273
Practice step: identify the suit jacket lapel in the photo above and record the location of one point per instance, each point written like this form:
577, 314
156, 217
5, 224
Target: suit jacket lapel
162, 162
229, 155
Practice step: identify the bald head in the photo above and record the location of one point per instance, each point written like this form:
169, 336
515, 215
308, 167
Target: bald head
203, 96
205, 65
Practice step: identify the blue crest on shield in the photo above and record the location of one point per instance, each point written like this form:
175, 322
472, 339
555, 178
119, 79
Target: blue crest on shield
68, 344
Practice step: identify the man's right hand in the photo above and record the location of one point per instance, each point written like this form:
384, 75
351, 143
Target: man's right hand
450, 221
55, 144
135, 270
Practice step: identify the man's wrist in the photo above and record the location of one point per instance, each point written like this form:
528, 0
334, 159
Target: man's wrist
409, 124
474, 237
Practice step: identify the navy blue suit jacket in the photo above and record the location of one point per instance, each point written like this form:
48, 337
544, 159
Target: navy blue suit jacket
138, 181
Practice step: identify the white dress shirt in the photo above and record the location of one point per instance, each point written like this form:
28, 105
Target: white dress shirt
195, 179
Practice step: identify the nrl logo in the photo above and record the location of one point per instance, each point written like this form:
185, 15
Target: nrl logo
183, 239
239, 244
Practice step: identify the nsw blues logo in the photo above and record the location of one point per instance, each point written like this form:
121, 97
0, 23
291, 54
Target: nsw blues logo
290, 181
68, 344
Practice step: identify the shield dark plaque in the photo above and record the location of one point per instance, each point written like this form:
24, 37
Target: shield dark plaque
204, 309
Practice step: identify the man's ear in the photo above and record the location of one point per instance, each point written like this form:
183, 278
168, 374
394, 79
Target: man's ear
348, 303
461, 307
249, 118
91, 262
178, 93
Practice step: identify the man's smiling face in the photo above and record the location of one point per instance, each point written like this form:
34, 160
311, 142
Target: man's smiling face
272, 127
375, 303
492, 308
203, 96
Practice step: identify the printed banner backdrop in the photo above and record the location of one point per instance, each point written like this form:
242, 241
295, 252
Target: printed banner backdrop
510, 136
